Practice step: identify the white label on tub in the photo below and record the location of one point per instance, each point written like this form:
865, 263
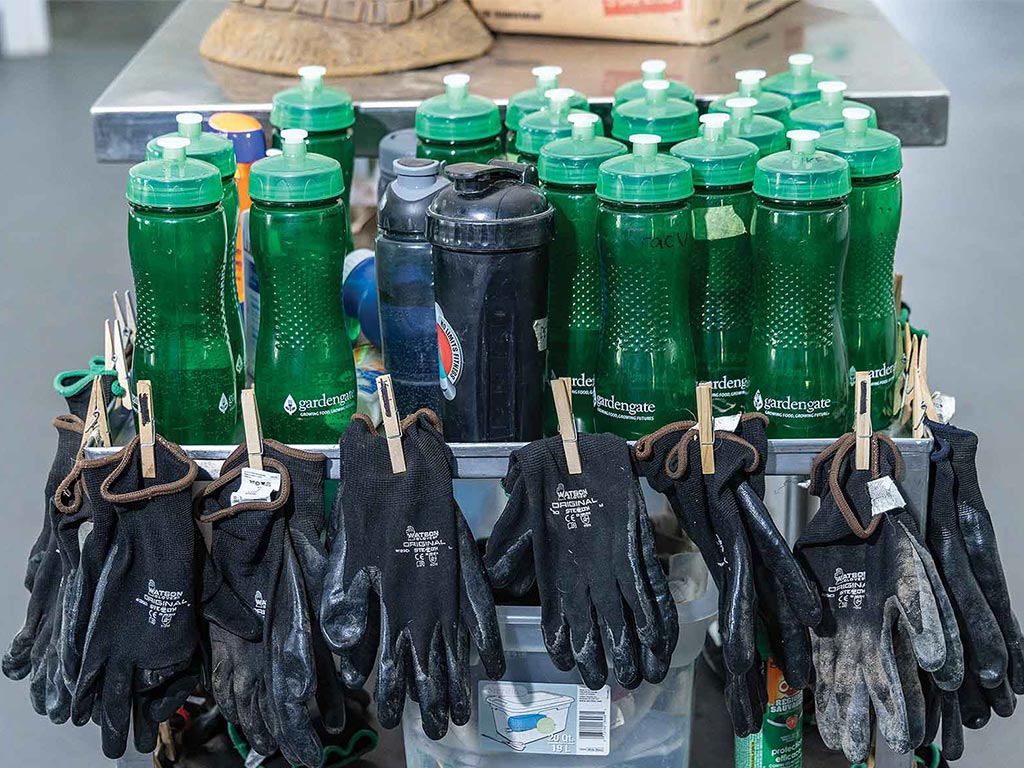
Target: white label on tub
544, 718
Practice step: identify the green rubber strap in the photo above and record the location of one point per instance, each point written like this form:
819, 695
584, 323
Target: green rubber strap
81, 380
352, 751
97, 363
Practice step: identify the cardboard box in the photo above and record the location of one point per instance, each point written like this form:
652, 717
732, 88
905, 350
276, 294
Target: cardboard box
657, 21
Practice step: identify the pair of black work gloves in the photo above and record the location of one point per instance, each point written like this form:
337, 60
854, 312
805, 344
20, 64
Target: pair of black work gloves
280, 684
761, 587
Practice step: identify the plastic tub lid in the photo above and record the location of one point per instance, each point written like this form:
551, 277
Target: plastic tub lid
674, 120
645, 176
530, 703
803, 173
766, 132
869, 151
653, 69
532, 99
312, 106
175, 180
210, 147
576, 160
826, 114
296, 175
717, 159
548, 124
800, 81
456, 114
770, 104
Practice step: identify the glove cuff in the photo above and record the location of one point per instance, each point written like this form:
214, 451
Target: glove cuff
213, 496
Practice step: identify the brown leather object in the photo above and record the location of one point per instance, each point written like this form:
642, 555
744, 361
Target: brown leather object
349, 37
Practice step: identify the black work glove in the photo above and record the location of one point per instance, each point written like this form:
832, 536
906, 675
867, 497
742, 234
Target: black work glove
587, 541
884, 608
403, 537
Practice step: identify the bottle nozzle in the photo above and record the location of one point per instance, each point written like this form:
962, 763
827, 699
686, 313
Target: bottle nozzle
584, 125
645, 145
801, 141
273, 152
558, 99
312, 77
655, 91
293, 142
547, 77
456, 86
800, 65
741, 108
855, 120
173, 147
832, 91
750, 81
190, 124
654, 69
714, 125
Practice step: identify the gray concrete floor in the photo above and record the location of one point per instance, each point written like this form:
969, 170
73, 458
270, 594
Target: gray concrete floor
62, 248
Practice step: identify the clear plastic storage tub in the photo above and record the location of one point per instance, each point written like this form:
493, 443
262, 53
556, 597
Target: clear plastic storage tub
540, 717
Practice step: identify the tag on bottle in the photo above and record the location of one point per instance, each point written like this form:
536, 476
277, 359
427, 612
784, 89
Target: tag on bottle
885, 496
257, 485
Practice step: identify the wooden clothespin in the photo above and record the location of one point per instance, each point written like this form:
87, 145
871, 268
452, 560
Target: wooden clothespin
706, 428
897, 284
115, 338
97, 428
561, 391
119, 316
253, 429
862, 418
108, 347
147, 429
392, 428
910, 381
129, 317
925, 389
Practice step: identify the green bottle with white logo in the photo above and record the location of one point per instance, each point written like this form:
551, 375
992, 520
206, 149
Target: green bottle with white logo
547, 125
800, 233
645, 364
826, 114
722, 270
799, 83
457, 126
177, 240
568, 170
653, 69
768, 104
304, 373
533, 100
876, 200
220, 153
767, 133
657, 114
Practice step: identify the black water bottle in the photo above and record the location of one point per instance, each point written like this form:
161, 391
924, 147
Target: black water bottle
490, 232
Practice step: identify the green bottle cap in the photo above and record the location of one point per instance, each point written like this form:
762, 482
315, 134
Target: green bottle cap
312, 106
645, 176
211, 147
175, 180
532, 100
548, 124
457, 115
576, 160
869, 151
802, 174
826, 114
295, 175
768, 104
766, 132
653, 69
717, 159
800, 83
656, 114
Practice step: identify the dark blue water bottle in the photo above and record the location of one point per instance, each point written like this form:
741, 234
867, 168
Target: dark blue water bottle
490, 232
405, 284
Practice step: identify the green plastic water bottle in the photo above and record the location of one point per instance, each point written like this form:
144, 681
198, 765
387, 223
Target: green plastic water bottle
304, 375
800, 233
826, 114
177, 240
869, 312
799, 83
220, 153
568, 170
656, 114
653, 69
768, 104
533, 100
458, 127
547, 125
327, 116
645, 365
766, 132
722, 271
